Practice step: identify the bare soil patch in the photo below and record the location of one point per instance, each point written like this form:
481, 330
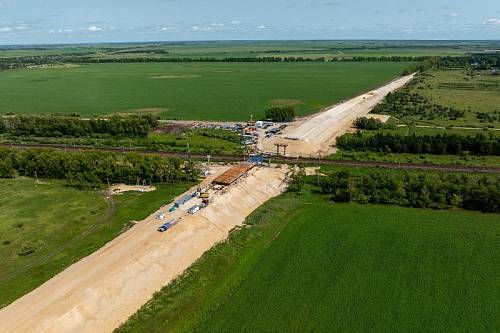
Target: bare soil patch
122, 188
285, 102
172, 128
152, 111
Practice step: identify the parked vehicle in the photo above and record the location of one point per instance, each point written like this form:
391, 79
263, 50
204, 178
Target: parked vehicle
194, 209
167, 225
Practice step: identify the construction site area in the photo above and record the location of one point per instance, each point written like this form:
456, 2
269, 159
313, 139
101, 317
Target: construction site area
315, 136
103, 290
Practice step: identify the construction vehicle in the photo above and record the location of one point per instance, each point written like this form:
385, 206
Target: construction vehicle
205, 198
167, 225
194, 209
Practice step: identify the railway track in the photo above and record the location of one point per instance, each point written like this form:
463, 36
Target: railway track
275, 159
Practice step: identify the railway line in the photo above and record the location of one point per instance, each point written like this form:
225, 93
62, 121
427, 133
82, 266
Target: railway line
275, 158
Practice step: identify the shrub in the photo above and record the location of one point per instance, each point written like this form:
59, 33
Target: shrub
281, 113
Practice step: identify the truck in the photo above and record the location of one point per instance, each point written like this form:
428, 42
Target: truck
194, 209
167, 225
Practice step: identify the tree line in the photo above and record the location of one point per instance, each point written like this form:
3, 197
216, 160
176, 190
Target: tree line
476, 61
82, 169
440, 144
410, 189
50, 126
26, 61
281, 113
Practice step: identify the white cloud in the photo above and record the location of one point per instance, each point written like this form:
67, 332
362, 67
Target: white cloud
5, 29
235, 22
168, 29
261, 27
94, 28
494, 21
454, 14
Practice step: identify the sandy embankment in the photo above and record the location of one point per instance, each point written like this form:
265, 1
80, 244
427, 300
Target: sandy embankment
315, 135
101, 291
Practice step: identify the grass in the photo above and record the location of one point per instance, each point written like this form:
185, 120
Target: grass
466, 160
308, 265
471, 93
200, 141
46, 226
201, 91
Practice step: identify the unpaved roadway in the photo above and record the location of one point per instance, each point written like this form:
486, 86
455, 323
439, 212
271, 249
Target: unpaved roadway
314, 136
101, 291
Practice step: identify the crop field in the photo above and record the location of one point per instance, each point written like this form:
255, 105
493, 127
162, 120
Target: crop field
254, 49
478, 95
46, 226
308, 265
201, 91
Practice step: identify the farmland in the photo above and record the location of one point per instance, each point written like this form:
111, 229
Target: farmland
308, 265
201, 91
224, 49
46, 226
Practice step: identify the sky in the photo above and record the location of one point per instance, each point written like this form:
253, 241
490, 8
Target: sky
82, 21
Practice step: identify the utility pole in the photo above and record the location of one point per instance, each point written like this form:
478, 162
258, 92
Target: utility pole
36, 176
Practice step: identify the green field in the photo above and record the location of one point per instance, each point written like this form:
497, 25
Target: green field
254, 49
46, 226
477, 93
308, 265
201, 91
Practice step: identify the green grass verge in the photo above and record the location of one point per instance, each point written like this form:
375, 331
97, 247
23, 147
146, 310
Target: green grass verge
201, 91
466, 160
308, 265
46, 226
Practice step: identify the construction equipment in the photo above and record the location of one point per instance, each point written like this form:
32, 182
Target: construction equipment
167, 225
205, 198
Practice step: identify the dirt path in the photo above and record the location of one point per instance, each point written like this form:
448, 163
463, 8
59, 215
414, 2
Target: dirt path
101, 291
315, 135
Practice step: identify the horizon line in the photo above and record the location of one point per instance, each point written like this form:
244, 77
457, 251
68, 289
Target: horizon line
250, 40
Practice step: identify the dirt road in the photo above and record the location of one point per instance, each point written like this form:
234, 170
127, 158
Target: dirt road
101, 291
314, 136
